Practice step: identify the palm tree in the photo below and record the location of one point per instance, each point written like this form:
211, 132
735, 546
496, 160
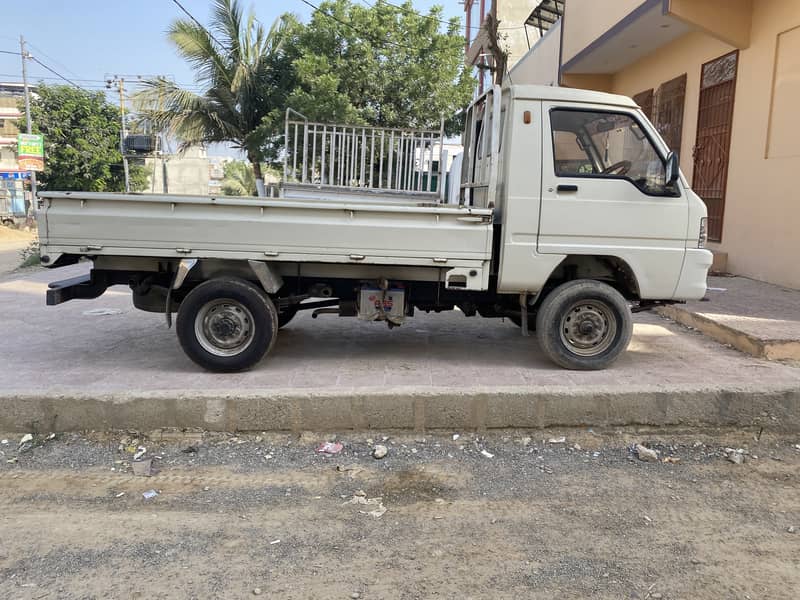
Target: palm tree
241, 66
239, 180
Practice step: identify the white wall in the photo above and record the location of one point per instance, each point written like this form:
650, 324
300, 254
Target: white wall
540, 63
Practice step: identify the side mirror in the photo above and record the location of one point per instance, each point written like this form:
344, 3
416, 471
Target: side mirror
671, 169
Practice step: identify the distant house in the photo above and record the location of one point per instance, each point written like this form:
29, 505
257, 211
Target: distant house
12, 180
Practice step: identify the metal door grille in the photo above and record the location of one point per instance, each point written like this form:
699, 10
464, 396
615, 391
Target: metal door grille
669, 111
712, 148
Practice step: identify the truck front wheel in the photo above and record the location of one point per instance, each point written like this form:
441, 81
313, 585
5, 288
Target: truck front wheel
226, 324
584, 325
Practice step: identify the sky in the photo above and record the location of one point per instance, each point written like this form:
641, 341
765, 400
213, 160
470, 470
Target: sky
94, 39
89, 41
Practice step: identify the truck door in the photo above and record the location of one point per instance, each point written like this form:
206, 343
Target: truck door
604, 193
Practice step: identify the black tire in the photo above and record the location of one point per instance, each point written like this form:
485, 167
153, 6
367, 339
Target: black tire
286, 315
226, 324
596, 340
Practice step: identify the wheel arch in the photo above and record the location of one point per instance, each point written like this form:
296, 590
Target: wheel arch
609, 269
261, 273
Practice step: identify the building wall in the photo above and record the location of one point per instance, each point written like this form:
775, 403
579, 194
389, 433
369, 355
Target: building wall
586, 20
186, 173
540, 66
762, 211
685, 55
9, 114
511, 14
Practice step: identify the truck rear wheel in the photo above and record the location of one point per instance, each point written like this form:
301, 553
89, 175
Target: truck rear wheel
584, 325
226, 324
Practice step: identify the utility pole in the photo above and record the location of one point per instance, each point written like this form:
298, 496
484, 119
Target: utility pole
120, 83
25, 56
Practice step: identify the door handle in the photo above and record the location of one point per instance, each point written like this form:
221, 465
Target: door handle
567, 188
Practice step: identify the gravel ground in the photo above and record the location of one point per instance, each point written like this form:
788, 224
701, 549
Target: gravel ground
502, 515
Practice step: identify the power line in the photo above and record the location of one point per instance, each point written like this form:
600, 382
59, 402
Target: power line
411, 11
10, 52
369, 38
361, 33
198, 23
90, 83
54, 61
432, 18
53, 71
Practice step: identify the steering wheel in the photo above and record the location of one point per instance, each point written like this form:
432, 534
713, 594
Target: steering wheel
618, 168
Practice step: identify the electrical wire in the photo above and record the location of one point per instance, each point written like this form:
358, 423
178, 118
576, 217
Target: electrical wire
419, 14
93, 83
53, 71
10, 52
198, 23
361, 33
54, 61
411, 11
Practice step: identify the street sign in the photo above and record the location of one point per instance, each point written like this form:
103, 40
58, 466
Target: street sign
30, 152
14, 175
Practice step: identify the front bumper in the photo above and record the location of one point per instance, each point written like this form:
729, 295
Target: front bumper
692, 283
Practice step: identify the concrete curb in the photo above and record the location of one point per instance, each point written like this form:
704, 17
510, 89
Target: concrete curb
760, 348
407, 408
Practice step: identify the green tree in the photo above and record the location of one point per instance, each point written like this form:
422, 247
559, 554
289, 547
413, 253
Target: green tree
382, 65
81, 141
239, 179
244, 72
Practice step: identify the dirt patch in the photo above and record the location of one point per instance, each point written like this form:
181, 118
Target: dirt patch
10, 234
580, 519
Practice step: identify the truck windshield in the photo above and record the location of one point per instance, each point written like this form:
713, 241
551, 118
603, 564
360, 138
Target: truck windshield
606, 144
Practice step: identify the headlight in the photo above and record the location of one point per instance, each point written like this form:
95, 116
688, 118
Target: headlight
701, 241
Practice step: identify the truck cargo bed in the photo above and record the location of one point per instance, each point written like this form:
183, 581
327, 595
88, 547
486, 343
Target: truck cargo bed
311, 229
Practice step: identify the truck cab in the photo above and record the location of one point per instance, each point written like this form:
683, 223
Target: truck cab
581, 181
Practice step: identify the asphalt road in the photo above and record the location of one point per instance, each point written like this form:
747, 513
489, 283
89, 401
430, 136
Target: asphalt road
10, 257
501, 516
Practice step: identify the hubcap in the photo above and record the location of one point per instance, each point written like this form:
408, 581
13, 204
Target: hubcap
588, 328
224, 327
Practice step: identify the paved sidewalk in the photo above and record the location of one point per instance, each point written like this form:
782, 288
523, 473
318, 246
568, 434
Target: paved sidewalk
69, 367
755, 317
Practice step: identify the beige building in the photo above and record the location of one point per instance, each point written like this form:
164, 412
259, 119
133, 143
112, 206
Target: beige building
721, 81
187, 172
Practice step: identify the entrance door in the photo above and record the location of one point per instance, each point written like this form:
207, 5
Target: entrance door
712, 148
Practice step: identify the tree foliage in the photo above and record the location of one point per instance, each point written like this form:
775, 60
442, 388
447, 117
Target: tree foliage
238, 179
381, 65
81, 141
244, 76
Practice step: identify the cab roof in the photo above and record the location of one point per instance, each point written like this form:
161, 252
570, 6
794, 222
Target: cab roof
565, 94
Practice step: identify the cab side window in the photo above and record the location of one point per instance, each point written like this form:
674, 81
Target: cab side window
606, 145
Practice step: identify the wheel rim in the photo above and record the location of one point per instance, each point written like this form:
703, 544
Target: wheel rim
224, 327
588, 328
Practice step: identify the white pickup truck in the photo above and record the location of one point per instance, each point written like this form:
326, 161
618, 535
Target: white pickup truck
571, 214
